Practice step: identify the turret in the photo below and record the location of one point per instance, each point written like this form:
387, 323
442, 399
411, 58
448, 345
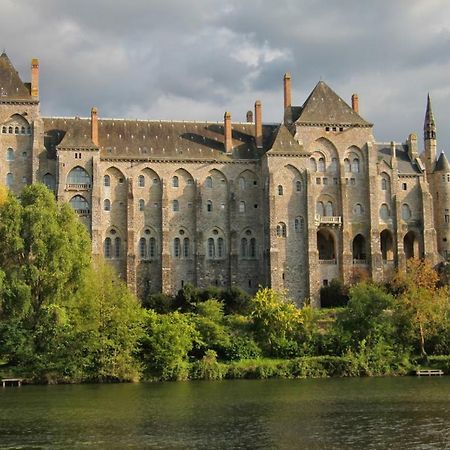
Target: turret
429, 136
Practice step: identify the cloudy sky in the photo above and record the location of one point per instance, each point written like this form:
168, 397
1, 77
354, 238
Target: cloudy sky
195, 59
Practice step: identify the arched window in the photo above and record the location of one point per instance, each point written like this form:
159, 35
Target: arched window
334, 165
355, 165
313, 164
186, 247
10, 154
22, 130
152, 247
175, 181
141, 204
3, 129
78, 176
359, 247
357, 209
299, 224
107, 247
321, 165
347, 167
406, 212
281, 229
320, 210
107, 204
175, 206
10, 130
211, 248
79, 204
143, 248
220, 248
252, 252
49, 181
176, 248
329, 209
298, 186
241, 183
280, 189
117, 247
106, 181
141, 181
208, 182
384, 184
209, 206
16, 130
9, 180
384, 211
241, 206
244, 248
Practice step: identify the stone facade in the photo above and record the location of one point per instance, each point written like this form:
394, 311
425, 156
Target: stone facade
290, 205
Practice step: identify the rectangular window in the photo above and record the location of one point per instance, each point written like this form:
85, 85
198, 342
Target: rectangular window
447, 218
325, 181
352, 181
404, 186
317, 180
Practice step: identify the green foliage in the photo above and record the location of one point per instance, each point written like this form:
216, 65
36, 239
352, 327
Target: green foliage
160, 302
333, 295
165, 345
208, 368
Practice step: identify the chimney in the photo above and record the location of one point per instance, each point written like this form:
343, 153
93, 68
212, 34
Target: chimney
250, 116
355, 103
35, 78
258, 124
228, 141
287, 90
94, 126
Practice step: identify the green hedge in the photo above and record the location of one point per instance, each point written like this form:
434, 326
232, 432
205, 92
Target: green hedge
440, 362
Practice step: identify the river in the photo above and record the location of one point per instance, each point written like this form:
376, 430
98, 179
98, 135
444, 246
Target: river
274, 414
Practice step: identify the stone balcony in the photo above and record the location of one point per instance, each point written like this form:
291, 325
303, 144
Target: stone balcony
78, 187
328, 262
328, 220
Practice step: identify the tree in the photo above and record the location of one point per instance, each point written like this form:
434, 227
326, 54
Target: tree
422, 305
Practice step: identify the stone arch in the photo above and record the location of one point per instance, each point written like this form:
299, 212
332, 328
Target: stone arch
297, 177
326, 245
49, 180
385, 182
359, 247
115, 173
387, 245
247, 179
80, 204
184, 176
329, 205
385, 212
411, 245
356, 159
78, 176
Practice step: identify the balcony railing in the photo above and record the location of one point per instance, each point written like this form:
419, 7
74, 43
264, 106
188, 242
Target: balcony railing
328, 220
360, 262
83, 212
329, 262
78, 187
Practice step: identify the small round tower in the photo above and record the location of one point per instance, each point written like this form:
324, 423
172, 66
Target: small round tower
441, 195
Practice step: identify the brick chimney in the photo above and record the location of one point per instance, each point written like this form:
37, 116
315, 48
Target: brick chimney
287, 90
228, 140
250, 116
94, 126
258, 124
355, 103
35, 78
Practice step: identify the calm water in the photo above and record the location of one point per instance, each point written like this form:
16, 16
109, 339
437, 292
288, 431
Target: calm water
276, 414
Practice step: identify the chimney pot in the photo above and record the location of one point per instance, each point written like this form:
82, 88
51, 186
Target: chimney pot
94, 126
287, 90
258, 124
228, 139
35, 78
355, 103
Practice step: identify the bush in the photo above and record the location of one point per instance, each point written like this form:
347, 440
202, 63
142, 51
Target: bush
333, 295
440, 362
208, 368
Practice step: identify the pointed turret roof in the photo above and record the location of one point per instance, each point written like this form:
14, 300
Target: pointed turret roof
284, 142
442, 164
11, 86
324, 106
429, 124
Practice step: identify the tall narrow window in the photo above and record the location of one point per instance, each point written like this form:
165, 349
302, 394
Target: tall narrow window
313, 164
141, 204
244, 249
143, 248
175, 181
211, 248
298, 186
252, 248
241, 206
220, 248
10, 154
107, 247
406, 212
117, 245
141, 181
107, 204
186, 247
208, 182
280, 190
176, 247
9, 180
334, 165
355, 165
209, 206
152, 247
175, 206
106, 181
320, 210
329, 209
347, 167
321, 165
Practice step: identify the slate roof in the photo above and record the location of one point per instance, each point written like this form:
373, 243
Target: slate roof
11, 86
284, 142
404, 164
324, 106
442, 164
159, 139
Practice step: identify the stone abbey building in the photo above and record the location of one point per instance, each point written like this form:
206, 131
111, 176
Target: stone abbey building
290, 205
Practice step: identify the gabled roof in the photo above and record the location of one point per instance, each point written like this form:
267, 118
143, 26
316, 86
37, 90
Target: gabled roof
404, 164
77, 136
284, 142
11, 86
325, 107
442, 164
